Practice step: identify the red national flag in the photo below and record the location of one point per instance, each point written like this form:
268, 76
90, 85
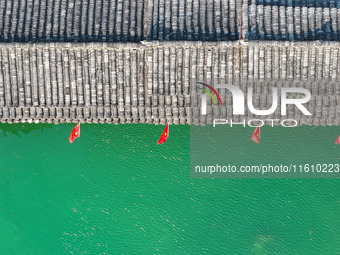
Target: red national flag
164, 135
337, 141
256, 135
75, 133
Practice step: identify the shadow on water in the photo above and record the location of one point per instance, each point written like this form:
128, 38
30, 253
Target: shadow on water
22, 128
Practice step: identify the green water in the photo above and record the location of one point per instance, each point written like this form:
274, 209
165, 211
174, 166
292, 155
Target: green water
115, 191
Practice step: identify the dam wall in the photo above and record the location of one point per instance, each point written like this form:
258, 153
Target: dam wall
156, 82
168, 20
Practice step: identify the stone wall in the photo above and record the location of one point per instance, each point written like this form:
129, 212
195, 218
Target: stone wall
192, 20
153, 82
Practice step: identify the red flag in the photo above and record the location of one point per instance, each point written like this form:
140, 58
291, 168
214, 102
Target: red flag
164, 135
75, 133
256, 135
337, 141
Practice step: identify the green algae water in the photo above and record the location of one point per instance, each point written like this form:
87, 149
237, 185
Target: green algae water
115, 191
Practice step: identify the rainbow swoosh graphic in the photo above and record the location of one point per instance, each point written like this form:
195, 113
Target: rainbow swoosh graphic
213, 90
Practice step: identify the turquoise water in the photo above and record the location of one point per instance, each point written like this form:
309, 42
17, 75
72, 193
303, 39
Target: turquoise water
115, 191
308, 152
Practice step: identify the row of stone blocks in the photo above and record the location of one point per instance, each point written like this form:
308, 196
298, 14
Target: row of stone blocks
192, 20
321, 115
78, 75
200, 121
156, 83
176, 115
109, 21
